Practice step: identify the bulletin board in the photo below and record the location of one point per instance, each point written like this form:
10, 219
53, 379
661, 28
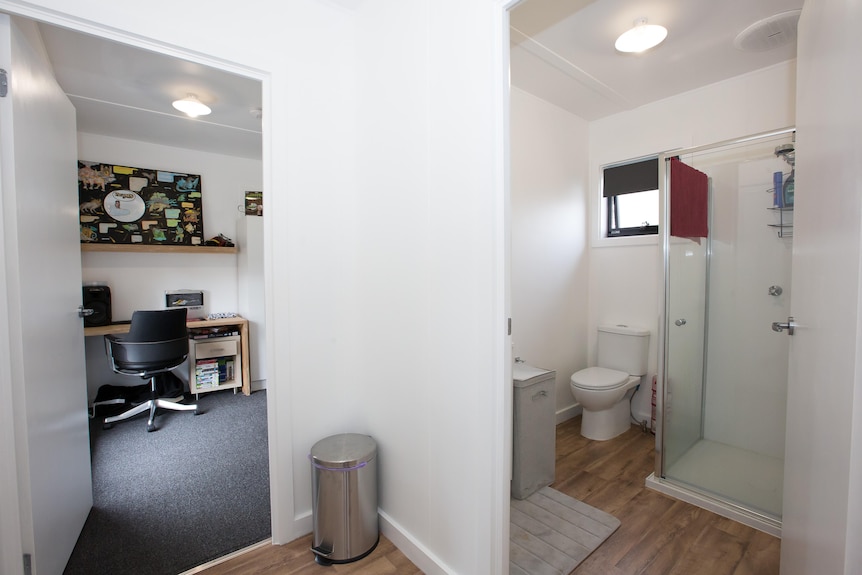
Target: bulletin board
126, 205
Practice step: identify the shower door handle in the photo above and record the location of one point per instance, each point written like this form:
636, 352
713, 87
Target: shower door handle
779, 327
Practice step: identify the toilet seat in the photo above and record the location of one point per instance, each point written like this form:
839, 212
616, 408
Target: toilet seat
599, 378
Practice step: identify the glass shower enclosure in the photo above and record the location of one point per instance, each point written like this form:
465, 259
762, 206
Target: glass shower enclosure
723, 366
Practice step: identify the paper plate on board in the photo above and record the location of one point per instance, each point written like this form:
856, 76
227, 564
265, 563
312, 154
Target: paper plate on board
124, 205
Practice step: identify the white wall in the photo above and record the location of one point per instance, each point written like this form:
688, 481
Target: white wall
139, 281
426, 376
822, 524
251, 302
625, 276
549, 203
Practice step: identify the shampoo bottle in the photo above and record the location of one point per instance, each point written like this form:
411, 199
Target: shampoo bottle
777, 190
787, 195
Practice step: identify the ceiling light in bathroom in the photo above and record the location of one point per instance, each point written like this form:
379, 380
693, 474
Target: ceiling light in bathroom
642, 37
191, 106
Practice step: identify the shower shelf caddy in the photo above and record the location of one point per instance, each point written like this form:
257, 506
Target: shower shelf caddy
786, 152
785, 221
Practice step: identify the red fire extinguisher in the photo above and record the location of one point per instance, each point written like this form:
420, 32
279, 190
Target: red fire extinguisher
652, 420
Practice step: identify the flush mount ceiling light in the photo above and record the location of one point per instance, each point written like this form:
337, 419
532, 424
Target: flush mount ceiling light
191, 106
642, 37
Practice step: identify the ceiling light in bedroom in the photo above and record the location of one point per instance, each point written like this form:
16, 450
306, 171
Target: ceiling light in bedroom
191, 106
642, 37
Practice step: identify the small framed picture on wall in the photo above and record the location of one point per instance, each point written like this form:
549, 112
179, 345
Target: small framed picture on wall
254, 203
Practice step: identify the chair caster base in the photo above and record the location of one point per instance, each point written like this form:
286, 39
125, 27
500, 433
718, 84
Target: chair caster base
151, 426
107, 425
198, 411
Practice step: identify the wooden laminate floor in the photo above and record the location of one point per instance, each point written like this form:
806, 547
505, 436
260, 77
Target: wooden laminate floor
295, 558
658, 536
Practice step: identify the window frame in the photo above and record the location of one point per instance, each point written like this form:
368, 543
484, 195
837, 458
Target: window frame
633, 176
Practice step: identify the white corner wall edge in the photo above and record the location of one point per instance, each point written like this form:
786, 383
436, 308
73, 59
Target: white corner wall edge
712, 505
423, 558
303, 524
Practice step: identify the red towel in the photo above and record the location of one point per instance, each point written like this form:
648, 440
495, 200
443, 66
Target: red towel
689, 201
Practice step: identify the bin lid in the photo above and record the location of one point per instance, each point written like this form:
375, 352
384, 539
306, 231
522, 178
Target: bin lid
524, 374
343, 450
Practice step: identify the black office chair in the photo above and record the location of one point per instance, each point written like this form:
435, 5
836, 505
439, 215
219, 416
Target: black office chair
157, 342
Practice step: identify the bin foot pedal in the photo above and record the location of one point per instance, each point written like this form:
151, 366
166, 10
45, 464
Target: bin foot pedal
321, 560
321, 554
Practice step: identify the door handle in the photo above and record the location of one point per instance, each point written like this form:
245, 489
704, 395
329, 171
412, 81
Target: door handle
680, 322
789, 326
84, 312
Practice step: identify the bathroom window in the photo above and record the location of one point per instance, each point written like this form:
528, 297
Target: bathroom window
631, 194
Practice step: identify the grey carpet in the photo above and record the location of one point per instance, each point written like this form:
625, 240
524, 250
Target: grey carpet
551, 533
195, 489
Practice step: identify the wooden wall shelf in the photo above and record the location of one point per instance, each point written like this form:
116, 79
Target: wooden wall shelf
157, 249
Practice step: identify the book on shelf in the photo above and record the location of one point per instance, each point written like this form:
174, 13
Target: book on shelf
225, 369
210, 332
212, 372
206, 373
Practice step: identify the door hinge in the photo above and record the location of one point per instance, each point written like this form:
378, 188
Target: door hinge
4, 83
28, 564
509, 328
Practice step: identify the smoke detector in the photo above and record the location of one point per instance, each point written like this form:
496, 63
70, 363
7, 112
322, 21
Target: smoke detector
769, 33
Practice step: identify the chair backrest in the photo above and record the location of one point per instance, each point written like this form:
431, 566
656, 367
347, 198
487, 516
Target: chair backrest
157, 340
158, 325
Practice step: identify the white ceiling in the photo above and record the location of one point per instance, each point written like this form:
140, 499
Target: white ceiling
126, 92
563, 50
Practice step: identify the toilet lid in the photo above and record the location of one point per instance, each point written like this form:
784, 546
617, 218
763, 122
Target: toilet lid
599, 378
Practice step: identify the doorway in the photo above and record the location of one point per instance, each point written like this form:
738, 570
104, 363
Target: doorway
112, 38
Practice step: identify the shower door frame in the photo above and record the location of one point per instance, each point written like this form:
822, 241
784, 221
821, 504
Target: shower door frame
696, 496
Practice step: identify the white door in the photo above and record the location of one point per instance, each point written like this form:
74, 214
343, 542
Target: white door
821, 530
38, 152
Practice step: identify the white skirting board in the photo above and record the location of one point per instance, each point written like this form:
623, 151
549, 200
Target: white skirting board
568, 413
422, 557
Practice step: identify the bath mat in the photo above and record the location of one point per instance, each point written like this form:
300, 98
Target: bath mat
551, 533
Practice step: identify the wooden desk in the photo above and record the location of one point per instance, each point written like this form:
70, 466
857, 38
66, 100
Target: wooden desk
115, 328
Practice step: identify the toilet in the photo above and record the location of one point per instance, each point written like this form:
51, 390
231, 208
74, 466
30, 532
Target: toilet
605, 391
